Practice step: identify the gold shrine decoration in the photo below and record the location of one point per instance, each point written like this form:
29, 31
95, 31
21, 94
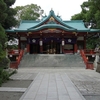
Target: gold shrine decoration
40, 31
51, 19
63, 32
75, 33
52, 29
29, 33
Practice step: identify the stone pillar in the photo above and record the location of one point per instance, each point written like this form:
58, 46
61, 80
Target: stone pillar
63, 43
98, 67
41, 46
96, 60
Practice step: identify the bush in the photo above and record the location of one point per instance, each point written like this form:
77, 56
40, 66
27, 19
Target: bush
4, 63
4, 76
12, 47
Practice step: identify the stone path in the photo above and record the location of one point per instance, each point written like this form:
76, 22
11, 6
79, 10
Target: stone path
72, 82
82, 81
52, 86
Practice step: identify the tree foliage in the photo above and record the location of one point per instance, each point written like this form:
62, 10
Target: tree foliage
6, 21
90, 14
28, 12
3, 38
10, 21
3, 8
91, 43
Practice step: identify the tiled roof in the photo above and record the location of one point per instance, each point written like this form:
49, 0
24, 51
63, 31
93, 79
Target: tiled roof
72, 25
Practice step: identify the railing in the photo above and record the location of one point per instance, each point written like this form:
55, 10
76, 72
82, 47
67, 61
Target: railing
19, 55
89, 65
91, 51
11, 52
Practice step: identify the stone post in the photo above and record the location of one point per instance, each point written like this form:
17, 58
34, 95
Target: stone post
97, 62
98, 67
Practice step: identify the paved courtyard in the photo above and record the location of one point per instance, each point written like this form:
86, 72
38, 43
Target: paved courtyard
55, 82
60, 84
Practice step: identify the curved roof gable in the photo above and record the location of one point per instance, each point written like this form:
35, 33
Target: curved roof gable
51, 16
52, 26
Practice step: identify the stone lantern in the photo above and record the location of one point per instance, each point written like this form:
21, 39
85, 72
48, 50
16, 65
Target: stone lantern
97, 60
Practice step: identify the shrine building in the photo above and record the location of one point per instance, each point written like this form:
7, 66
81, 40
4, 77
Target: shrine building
51, 35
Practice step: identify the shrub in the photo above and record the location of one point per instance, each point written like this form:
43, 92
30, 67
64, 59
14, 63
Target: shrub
4, 63
4, 76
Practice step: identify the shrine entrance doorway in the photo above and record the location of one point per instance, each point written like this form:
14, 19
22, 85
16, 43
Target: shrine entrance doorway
51, 47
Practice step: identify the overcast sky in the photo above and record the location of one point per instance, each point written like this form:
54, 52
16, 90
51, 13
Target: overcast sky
65, 8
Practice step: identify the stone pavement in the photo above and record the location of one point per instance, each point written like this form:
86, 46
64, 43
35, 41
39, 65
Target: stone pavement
70, 82
52, 86
53, 79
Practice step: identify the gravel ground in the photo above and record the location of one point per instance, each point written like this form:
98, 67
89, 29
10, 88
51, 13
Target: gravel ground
10, 95
13, 83
17, 83
88, 83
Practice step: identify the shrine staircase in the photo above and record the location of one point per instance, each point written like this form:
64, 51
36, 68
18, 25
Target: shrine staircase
52, 60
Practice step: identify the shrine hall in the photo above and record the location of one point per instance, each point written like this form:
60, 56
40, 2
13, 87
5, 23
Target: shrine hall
51, 35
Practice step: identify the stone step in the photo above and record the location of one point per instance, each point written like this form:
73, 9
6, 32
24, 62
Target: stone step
11, 89
52, 60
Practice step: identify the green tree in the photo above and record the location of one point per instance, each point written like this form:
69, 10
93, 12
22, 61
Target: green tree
28, 12
83, 14
3, 37
90, 14
3, 8
10, 20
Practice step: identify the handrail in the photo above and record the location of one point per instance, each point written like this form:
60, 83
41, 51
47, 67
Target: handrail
89, 65
14, 64
89, 51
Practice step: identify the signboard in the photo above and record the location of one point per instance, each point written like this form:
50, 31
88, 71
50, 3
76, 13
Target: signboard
68, 46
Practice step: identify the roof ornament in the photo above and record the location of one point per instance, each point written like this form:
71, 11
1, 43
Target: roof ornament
58, 14
45, 15
51, 10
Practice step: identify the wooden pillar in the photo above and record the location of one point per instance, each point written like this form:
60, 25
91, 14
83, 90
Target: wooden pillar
28, 48
28, 45
19, 43
75, 48
63, 43
84, 42
41, 46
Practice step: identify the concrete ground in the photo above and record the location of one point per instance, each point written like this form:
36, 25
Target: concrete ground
60, 84
55, 82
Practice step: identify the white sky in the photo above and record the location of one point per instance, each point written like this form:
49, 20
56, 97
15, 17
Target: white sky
65, 8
